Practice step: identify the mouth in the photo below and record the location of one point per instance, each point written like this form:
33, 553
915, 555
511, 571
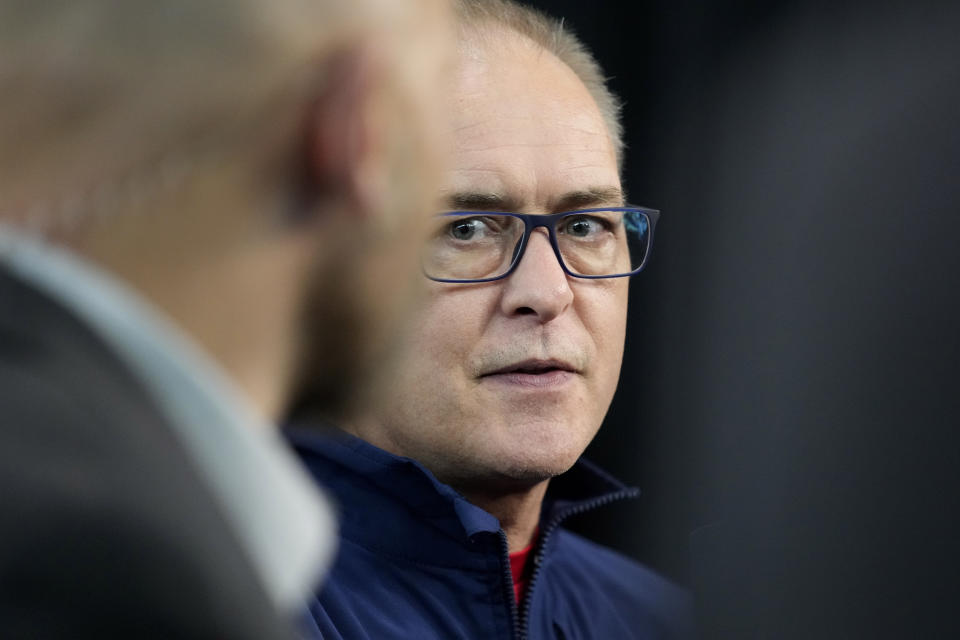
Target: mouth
533, 373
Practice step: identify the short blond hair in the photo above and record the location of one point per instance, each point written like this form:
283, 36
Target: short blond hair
557, 38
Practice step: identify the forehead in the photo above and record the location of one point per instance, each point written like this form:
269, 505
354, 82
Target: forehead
524, 127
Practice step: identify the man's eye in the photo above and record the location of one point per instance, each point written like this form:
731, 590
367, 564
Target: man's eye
467, 229
583, 227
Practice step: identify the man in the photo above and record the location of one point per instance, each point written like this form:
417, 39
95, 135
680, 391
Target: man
181, 185
455, 483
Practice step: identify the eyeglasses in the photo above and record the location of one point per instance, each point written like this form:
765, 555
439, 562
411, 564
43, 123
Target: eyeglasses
481, 246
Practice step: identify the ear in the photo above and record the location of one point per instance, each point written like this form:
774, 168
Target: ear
345, 161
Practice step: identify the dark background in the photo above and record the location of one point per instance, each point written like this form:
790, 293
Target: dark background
792, 375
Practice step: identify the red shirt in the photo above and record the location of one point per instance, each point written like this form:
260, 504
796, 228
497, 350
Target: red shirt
521, 566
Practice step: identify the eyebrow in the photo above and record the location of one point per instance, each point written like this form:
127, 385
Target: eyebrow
482, 201
492, 201
592, 197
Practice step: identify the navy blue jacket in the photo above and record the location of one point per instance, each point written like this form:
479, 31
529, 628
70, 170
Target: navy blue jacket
417, 561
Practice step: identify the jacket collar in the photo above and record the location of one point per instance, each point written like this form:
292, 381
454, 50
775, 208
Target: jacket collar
583, 488
365, 477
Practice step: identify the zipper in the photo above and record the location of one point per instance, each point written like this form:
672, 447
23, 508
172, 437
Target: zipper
522, 617
508, 585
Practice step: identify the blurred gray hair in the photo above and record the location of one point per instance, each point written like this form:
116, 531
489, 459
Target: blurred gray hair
557, 38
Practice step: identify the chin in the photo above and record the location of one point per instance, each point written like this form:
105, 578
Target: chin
547, 449
539, 467
515, 456
503, 480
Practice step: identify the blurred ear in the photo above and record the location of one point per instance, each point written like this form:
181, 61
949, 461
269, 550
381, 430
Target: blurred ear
346, 162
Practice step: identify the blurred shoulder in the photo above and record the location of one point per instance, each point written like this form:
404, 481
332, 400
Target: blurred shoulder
604, 581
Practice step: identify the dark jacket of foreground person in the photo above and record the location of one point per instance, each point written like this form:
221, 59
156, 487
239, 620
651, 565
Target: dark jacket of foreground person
419, 561
111, 525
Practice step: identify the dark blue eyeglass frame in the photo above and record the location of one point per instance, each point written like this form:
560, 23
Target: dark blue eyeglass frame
549, 221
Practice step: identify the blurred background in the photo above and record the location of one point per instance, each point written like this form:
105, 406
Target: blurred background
790, 390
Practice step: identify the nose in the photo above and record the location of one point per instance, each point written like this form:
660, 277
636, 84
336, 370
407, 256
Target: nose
538, 286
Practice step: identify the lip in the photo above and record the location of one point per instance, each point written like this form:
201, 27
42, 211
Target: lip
534, 374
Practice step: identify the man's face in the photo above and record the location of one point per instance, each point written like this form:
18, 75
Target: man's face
505, 383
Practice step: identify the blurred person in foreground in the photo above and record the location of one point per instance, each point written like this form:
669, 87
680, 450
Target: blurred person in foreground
182, 186
456, 481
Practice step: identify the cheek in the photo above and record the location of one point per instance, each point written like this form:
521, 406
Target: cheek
604, 311
602, 308
433, 383
451, 324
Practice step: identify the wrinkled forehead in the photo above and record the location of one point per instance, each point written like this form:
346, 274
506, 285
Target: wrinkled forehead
525, 129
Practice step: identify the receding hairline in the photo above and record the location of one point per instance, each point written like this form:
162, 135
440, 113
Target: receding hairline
487, 18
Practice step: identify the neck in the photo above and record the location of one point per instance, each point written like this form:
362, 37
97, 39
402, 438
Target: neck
517, 507
189, 267
518, 512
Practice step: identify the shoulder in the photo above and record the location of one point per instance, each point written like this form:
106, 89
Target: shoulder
107, 525
577, 554
596, 579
